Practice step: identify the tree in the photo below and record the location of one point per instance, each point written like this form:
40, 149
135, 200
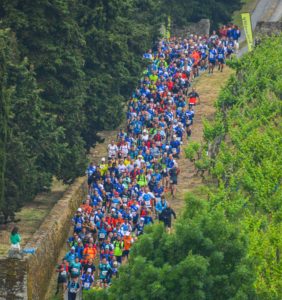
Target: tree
28, 147
205, 258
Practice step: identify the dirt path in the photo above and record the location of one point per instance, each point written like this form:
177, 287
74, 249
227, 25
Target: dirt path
208, 87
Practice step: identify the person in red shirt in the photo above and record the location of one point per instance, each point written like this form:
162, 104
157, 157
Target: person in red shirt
170, 84
193, 98
62, 270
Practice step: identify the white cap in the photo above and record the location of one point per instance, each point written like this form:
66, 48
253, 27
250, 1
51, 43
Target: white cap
127, 233
103, 159
89, 270
79, 209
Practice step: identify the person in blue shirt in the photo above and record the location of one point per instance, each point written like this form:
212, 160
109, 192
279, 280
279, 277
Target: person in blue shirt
79, 249
160, 206
70, 256
158, 190
78, 221
73, 288
90, 171
175, 145
220, 57
212, 59
87, 279
148, 220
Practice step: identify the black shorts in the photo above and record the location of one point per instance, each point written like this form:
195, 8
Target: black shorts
173, 180
212, 62
62, 279
167, 224
125, 253
119, 259
165, 174
221, 60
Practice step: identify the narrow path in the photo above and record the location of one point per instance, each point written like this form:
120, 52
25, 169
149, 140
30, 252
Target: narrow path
208, 87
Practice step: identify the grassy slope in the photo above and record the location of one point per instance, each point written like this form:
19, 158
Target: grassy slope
208, 88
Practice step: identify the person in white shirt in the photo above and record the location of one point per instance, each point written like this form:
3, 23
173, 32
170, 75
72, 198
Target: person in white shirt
112, 150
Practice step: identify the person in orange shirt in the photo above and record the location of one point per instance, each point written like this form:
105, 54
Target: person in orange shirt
127, 243
90, 251
196, 56
86, 206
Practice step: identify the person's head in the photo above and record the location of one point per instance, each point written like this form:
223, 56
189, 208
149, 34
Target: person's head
15, 230
75, 278
90, 261
104, 260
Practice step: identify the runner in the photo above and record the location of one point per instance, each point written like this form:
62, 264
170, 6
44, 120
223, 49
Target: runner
166, 216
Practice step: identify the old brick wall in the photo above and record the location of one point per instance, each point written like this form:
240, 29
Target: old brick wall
268, 28
13, 279
200, 28
49, 239
29, 278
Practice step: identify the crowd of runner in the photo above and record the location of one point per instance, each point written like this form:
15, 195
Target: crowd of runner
128, 190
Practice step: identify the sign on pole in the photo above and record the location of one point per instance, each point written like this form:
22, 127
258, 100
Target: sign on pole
247, 24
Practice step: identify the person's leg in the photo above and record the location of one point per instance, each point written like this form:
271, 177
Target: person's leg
222, 66
71, 296
58, 287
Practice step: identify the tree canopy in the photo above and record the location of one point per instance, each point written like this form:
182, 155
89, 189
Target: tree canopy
67, 69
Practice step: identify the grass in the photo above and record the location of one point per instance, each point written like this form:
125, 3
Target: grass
31, 216
208, 87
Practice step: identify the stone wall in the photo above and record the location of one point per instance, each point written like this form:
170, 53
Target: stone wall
268, 28
29, 278
13, 279
200, 28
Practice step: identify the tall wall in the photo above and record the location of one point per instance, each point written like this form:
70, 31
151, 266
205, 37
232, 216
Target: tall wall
13, 279
200, 28
29, 278
268, 28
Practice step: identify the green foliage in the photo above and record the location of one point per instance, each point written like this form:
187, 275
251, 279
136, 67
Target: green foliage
67, 69
205, 258
191, 151
248, 161
218, 11
27, 143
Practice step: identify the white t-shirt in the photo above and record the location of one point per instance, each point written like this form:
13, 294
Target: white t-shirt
112, 150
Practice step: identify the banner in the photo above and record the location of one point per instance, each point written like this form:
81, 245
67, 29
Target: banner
247, 24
